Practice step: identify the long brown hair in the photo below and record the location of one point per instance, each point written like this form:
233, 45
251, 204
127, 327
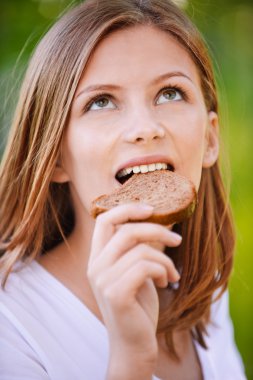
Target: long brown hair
36, 214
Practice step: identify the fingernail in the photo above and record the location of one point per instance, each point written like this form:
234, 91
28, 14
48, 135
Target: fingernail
175, 284
177, 276
177, 238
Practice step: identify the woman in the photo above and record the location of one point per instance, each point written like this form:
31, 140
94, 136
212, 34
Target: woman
114, 85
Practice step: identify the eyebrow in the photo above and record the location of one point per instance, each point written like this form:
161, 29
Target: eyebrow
160, 78
108, 87
98, 87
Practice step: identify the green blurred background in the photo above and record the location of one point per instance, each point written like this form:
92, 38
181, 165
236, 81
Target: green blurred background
227, 26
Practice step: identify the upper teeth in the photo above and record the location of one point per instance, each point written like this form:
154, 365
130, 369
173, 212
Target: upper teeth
142, 169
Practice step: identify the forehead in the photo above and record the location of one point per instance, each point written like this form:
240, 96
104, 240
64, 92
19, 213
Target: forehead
138, 53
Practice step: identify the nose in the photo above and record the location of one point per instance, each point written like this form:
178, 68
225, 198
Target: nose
142, 128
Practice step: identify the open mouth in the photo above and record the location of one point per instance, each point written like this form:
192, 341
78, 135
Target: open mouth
124, 174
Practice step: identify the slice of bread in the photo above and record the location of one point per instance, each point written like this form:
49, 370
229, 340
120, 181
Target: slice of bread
173, 197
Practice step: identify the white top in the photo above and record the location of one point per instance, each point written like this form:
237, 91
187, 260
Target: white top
46, 332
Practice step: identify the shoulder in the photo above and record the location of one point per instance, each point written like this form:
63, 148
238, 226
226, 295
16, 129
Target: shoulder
20, 354
220, 309
43, 324
222, 349
21, 281
18, 299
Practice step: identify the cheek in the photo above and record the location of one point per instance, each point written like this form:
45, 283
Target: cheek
82, 151
86, 157
191, 145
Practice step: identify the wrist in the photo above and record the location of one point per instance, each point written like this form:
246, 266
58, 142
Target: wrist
131, 366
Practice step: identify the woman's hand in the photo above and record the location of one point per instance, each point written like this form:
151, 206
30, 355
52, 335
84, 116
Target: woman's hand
124, 270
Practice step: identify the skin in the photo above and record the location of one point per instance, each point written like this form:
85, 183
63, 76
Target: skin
135, 119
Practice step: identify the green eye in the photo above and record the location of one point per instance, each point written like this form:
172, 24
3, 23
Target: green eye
168, 95
102, 102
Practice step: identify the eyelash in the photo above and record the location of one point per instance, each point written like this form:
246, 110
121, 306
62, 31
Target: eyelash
95, 98
178, 88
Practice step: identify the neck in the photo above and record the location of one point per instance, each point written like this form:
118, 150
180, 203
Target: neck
68, 262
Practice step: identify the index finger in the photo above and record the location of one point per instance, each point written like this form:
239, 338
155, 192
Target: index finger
108, 222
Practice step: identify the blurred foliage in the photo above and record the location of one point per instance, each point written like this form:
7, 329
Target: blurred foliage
227, 26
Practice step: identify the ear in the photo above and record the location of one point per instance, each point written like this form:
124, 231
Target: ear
59, 174
212, 141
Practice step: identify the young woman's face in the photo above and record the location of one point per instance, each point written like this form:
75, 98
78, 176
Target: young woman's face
139, 102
